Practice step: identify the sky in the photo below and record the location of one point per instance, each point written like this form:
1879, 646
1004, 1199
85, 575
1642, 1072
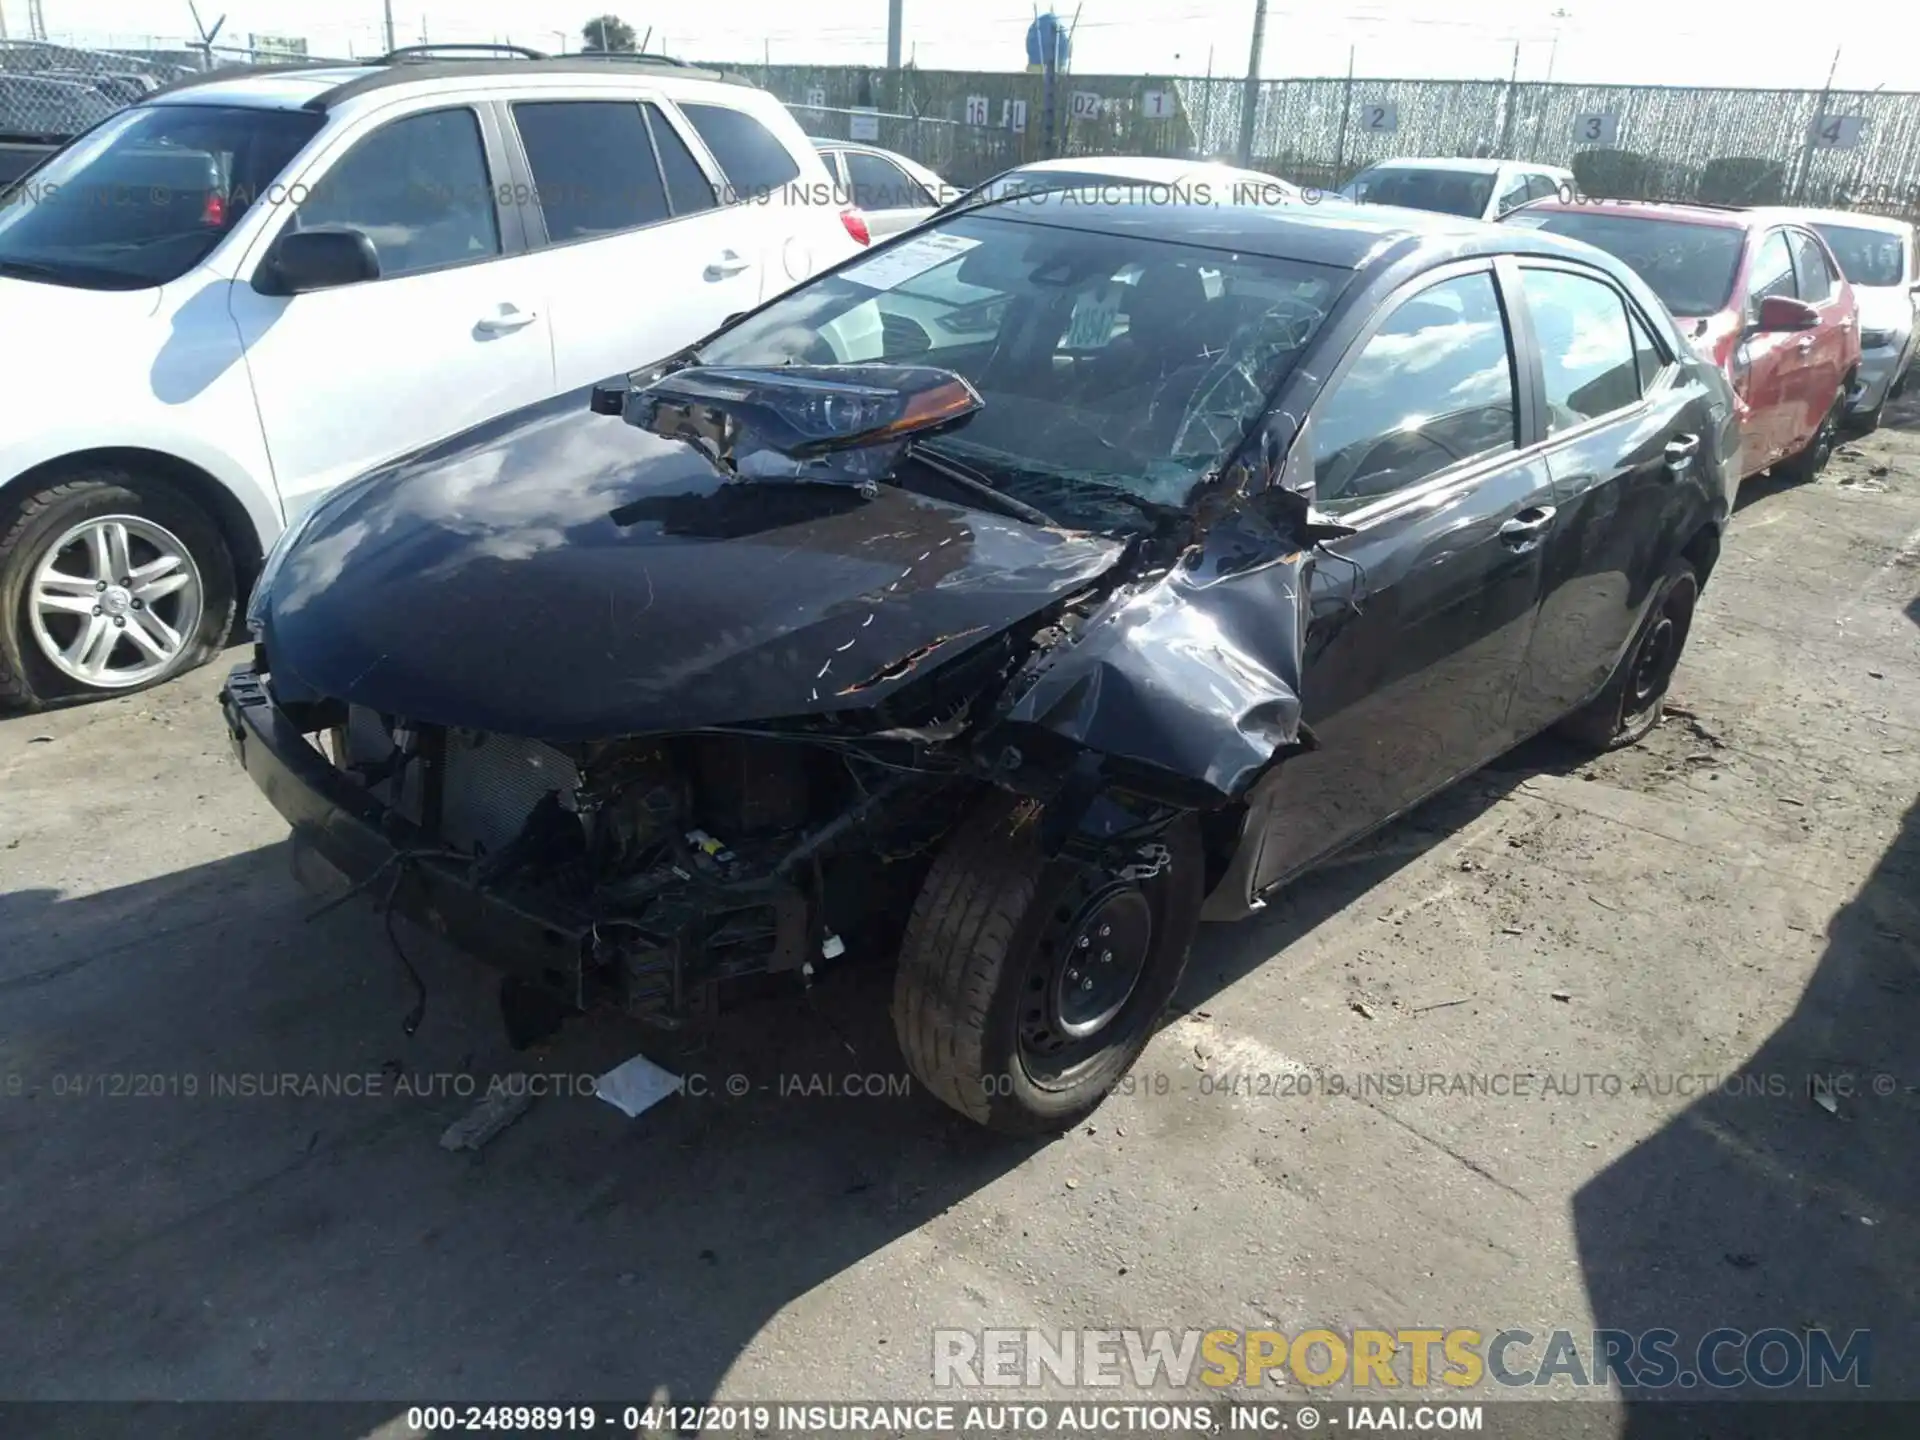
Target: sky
1711, 42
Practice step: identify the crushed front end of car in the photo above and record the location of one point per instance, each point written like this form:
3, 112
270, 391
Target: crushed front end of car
636, 708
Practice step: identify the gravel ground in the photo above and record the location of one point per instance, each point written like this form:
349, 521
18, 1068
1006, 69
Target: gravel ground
1736, 894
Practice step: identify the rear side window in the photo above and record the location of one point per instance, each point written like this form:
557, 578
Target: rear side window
1586, 348
880, 185
1810, 268
1539, 187
418, 189
593, 167
1433, 387
1772, 269
687, 184
752, 158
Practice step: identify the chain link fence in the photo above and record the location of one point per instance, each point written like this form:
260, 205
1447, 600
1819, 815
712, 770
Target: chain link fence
1841, 148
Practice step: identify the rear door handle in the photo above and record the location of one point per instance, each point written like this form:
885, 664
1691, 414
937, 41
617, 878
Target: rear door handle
1804, 343
1526, 528
728, 264
504, 319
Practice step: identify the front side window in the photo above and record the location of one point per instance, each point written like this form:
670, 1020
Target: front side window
417, 188
1539, 187
148, 195
1514, 196
1867, 257
1106, 362
1811, 271
1772, 269
1586, 346
1433, 387
751, 156
593, 167
1649, 358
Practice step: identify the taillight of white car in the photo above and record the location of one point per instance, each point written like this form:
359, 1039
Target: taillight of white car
856, 224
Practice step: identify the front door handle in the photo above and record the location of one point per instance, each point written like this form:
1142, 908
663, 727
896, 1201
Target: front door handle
1525, 529
1680, 452
1804, 344
728, 264
504, 320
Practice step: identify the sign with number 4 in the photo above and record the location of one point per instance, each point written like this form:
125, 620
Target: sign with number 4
976, 109
1601, 130
1838, 132
1382, 118
1156, 104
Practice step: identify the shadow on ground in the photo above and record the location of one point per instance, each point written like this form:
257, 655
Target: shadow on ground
211, 1243
1763, 1206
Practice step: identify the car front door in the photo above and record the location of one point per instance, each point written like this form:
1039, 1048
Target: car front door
1623, 427
1419, 621
635, 254
1826, 350
1775, 363
450, 334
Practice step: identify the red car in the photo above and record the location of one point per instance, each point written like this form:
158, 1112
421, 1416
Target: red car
1758, 293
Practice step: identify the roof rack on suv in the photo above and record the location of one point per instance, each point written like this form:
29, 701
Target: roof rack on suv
416, 53
412, 66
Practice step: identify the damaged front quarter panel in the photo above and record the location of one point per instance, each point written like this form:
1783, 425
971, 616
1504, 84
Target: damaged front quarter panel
1186, 683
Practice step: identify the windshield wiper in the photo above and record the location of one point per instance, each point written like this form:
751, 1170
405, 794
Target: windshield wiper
1070, 485
977, 485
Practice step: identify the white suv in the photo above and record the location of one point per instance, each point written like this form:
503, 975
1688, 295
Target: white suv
222, 302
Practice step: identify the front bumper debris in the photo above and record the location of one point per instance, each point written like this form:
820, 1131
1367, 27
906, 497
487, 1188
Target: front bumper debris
343, 837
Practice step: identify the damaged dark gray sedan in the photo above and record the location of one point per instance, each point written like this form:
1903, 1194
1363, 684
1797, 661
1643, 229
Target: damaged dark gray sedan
1002, 603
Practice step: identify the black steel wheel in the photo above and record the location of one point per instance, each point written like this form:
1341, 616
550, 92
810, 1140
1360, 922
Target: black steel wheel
1636, 695
1026, 988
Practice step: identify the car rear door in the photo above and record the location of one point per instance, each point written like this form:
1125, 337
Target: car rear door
1829, 351
1624, 427
452, 332
1774, 365
635, 254
1420, 620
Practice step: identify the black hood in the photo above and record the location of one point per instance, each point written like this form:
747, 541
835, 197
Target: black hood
566, 576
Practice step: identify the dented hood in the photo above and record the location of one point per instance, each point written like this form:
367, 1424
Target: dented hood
566, 576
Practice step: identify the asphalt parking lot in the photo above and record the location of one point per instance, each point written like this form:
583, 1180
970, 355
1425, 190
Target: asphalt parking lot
1740, 894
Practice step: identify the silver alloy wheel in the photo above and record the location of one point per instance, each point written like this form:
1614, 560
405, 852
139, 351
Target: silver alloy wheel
114, 601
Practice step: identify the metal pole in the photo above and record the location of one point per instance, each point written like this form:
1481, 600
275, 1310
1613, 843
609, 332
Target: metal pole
896, 23
1206, 114
1048, 86
3, 19
1819, 109
1346, 109
1513, 94
390, 45
1250, 101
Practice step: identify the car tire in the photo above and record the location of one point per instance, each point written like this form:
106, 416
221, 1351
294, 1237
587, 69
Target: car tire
183, 611
1812, 458
1636, 694
988, 956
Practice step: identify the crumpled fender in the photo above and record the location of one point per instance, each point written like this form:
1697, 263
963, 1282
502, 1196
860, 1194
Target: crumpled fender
1194, 674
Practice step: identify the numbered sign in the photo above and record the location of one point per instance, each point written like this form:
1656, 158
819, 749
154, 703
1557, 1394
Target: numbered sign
1086, 105
817, 98
863, 124
1381, 117
1838, 132
1156, 104
1013, 116
1597, 129
976, 109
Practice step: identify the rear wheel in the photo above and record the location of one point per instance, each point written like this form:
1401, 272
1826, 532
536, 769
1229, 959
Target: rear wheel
1027, 988
1812, 459
109, 582
1636, 696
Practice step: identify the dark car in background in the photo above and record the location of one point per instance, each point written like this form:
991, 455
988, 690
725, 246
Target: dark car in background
1160, 552
1756, 291
39, 113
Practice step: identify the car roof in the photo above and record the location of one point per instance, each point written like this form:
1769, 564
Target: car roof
1725, 217
1856, 220
1465, 163
1349, 237
1150, 169
323, 86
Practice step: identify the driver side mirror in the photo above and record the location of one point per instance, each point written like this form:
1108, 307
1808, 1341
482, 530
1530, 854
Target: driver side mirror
1781, 313
322, 259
